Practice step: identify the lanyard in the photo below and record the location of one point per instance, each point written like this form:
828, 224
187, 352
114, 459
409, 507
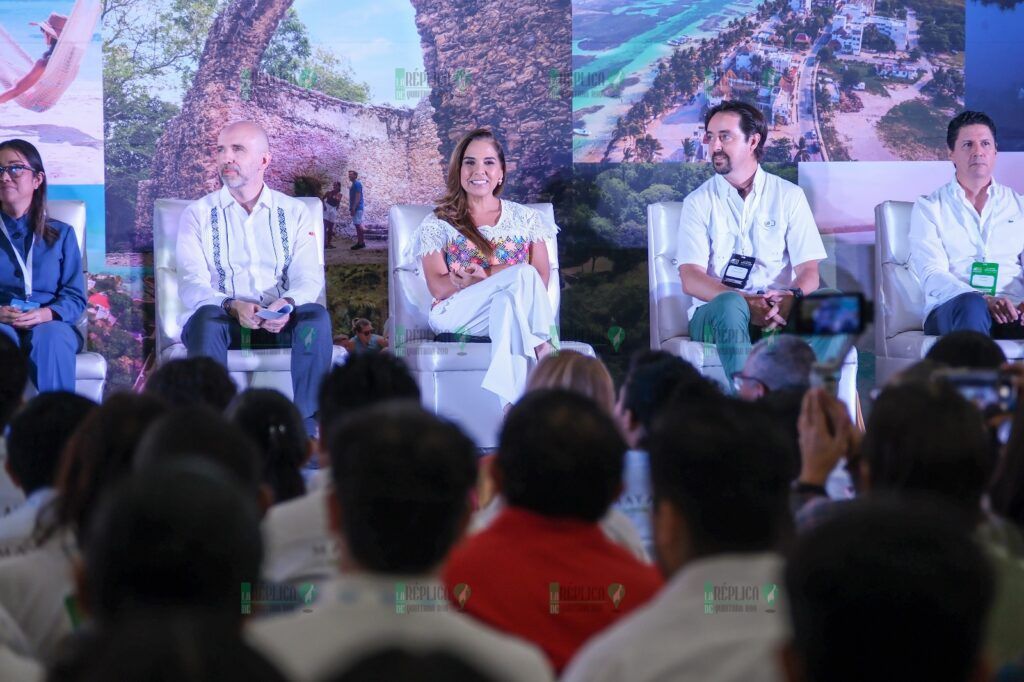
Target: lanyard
26, 267
743, 234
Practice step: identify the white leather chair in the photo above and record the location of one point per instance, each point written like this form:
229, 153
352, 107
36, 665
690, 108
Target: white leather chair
257, 368
900, 340
449, 374
669, 303
90, 368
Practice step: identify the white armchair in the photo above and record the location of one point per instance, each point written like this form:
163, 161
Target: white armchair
900, 340
669, 303
257, 368
90, 368
449, 374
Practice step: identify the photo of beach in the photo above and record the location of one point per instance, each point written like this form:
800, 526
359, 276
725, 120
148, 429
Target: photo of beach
840, 80
54, 101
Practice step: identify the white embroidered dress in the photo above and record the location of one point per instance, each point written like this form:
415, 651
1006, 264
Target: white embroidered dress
511, 307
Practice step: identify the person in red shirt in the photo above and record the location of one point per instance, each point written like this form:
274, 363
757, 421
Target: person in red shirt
544, 570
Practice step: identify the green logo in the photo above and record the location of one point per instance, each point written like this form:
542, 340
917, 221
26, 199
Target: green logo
462, 333
399, 342
555, 343
308, 335
554, 85
771, 594
616, 335
461, 81
399, 83
308, 594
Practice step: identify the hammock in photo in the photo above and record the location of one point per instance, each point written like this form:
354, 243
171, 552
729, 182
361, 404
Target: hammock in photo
62, 67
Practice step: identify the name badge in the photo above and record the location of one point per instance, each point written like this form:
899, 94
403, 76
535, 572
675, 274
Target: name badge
984, 277
23, 306
737, 272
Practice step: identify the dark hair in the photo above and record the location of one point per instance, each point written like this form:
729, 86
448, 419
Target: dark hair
38, 219
396, 664
362, 381
560, 455
167, 646
39, 432
98, 455
193, 381
180, 534
275, 425
655, 378
13, 378
913, 563
721, 464
1006, 493
402, 479
454, 207
200, 432
969, 349
751, 121
967, 118
928, 439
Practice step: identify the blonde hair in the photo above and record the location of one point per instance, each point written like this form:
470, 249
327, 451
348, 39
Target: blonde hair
575, 372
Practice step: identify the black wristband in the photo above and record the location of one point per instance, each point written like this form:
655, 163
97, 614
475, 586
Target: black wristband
226, 304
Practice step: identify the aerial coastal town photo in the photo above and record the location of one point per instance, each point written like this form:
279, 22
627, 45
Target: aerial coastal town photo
840, 80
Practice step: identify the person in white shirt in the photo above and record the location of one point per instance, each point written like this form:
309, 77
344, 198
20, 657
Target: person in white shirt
246, 252
744, 212
720, 513
398, 513
967, 239
37, 436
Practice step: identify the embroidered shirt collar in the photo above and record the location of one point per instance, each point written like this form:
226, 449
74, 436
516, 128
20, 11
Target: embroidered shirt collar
263, 199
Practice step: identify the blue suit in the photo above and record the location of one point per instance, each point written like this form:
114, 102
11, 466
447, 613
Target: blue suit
58, 285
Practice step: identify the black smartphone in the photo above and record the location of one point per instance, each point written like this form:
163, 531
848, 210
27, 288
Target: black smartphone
990, 389
831, 314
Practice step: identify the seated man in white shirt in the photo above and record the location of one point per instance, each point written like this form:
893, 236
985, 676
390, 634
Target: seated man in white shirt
400, 500
967, 238
246, 252
720, 514
748, 245
36, 439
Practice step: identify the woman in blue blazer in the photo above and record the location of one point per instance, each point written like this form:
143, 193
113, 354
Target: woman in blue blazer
42, 292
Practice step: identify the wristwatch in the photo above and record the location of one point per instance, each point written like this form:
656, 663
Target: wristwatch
797, 292
226, 304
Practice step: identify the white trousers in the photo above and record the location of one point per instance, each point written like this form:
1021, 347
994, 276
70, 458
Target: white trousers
512, 307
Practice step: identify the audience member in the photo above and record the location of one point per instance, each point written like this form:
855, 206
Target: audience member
200, 432
913, 564
38, 434
1006, 493
12, 386
653, 380
927, 439
193, 381
543, 570
575, 372
363, 339
398, 513
967, 349
776, 363
36, 588
720, 518
300, 545
274, 423
154, 561
587, 376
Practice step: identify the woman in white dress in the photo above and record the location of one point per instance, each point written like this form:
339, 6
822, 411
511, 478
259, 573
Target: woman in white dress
486, 265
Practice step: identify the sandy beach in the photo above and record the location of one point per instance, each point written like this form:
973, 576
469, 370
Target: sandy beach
69, 136
642, 65
858, 131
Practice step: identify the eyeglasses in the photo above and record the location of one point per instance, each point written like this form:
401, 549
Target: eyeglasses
738, 379
14, 171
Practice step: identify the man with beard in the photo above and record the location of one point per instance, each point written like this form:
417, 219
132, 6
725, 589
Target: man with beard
748, 245
248, 271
